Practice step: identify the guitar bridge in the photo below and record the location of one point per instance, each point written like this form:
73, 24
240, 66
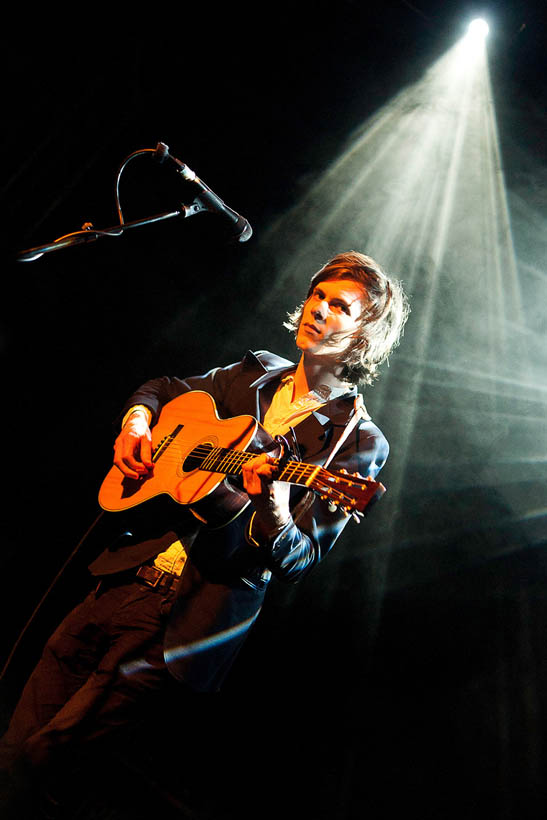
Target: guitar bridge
165, 442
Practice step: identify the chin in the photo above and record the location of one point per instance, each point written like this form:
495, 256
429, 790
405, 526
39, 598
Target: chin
306, 346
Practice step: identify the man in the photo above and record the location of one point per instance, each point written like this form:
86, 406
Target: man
176, 597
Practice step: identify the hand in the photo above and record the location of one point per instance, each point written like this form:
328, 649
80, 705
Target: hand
133, 447
269, 497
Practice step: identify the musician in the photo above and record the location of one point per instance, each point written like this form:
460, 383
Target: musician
176, 598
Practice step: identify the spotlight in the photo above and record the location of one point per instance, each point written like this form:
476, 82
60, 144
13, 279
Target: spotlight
478, 28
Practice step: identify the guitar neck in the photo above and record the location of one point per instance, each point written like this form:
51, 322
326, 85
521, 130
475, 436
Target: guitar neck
230, 462
349, 493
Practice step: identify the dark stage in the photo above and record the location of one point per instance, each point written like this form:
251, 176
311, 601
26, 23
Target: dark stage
406, 676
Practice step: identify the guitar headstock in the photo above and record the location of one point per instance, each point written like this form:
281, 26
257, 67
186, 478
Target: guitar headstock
350, 493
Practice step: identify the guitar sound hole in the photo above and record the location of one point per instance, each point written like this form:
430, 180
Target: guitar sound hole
195, 459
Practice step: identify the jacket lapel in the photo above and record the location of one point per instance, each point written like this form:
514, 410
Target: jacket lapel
318, 431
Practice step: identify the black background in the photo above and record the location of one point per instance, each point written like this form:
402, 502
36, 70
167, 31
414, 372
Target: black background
340, 706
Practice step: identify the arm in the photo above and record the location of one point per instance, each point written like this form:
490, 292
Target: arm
133, 446
291, 548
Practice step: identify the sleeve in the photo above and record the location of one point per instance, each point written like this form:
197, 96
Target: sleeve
313, 529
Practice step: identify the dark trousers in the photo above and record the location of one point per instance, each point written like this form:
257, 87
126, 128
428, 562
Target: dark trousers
99, 670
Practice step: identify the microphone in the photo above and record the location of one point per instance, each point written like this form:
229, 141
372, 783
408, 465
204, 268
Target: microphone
206, 198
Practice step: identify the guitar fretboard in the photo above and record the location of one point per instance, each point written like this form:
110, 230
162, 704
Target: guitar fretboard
230, 462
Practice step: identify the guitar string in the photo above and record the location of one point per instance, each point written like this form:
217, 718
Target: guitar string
238, 458
231, 462
222, 460
225, 456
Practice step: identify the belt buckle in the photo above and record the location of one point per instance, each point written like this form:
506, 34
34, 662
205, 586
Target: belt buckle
156, 581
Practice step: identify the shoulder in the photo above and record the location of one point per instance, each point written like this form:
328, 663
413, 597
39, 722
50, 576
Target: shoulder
365, 448
368, 431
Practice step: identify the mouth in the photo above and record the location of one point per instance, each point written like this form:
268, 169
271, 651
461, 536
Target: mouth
313, 328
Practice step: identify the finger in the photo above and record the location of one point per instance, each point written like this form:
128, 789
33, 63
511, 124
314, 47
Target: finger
146, 451
125, 469
253, 480
126, 456
266, 472
129, 467
258, 472
255, 462
252, 483
250, 467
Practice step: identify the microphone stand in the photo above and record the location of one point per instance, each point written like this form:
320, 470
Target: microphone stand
206, 200
89, 234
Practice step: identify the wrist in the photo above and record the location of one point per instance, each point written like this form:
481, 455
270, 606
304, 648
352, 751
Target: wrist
259, 532
138, 411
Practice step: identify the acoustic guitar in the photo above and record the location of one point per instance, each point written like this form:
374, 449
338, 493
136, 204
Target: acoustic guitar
195, 453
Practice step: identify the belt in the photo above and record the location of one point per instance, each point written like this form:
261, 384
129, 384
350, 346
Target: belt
156, 578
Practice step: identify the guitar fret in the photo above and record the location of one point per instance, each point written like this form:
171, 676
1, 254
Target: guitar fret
291, 470
229, 463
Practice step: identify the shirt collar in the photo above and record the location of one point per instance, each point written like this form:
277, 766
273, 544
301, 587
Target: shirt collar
337, 406
322, 392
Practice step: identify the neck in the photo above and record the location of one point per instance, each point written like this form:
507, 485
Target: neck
311, 372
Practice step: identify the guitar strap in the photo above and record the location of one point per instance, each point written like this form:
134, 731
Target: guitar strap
359, 412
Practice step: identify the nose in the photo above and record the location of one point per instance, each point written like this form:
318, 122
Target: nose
320, 310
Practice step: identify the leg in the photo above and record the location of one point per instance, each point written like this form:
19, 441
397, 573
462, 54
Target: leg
104, 659
108, 659
69, 657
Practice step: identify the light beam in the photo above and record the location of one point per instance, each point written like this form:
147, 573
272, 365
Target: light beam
478, 29
420, 188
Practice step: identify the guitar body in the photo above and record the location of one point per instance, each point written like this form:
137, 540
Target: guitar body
189, 424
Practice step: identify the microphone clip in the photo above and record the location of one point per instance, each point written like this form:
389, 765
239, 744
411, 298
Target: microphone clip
206, 199
161, 153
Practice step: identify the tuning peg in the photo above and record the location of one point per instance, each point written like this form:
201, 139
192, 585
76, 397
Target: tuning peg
356, 515
332, 506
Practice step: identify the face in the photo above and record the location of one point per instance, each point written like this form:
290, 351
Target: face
331, 317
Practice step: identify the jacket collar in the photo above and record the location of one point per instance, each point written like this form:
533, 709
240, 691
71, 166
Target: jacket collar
337, 411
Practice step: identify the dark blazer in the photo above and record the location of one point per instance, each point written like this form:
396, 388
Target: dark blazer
224, 581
